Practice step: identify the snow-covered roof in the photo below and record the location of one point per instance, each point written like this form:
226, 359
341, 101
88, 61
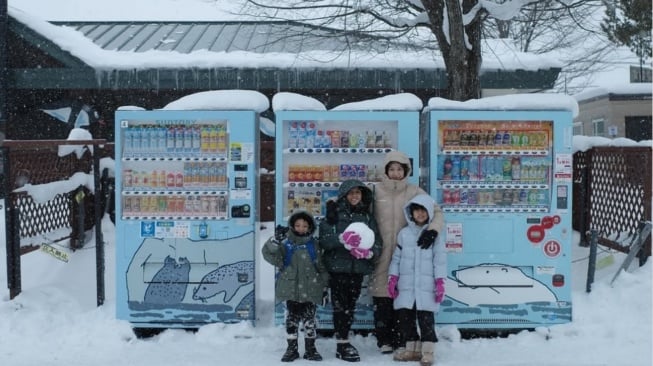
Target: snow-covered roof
616, 89
128, 45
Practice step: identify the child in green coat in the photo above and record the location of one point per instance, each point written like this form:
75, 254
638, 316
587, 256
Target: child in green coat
301, 280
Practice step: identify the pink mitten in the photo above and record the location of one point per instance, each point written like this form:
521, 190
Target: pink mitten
439, 290
350, 239
392, 286
359, 253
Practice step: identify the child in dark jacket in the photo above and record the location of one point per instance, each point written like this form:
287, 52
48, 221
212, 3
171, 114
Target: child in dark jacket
349, 255
301, 280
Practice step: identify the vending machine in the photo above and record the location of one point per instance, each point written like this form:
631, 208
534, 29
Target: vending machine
316, 150
186, 209
503, 178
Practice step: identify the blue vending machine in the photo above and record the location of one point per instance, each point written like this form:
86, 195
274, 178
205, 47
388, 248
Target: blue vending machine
503, 177
186, 209
316, 150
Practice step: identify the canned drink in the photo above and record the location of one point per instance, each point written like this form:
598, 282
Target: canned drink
446, 197
127, 179
464, 195
136, 204
127, 205
361, 171
472, 197
455, 196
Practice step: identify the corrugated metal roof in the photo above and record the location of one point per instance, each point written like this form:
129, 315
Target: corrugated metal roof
187, 37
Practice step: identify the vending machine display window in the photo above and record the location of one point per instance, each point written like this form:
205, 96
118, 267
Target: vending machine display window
494, 166
319, 154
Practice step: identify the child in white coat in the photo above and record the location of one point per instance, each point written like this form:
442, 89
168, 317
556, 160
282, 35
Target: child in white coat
416, 283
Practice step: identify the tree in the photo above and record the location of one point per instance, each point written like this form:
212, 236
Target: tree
455, 26
628, 22
572, 33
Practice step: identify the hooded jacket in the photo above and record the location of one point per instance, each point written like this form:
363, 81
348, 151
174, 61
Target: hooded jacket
304, 278
336, 257
417, 268
390, 196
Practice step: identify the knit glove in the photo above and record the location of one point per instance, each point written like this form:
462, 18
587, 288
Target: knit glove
331, 212
360, 253
393, 292
350, 239
427, 239
280, 233
439, 290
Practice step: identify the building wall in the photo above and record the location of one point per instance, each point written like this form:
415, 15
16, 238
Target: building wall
612, 112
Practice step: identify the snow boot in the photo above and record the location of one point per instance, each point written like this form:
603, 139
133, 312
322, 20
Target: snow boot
292, 352
428, 354
346, 352
411, 352
311, 352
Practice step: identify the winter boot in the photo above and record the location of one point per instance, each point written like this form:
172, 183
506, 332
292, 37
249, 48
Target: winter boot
346, 352
428, 354
311, 353
417, 353
292, 352
409, 353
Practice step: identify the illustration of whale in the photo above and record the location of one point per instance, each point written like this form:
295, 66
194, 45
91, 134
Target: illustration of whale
496, 284
228, 279
168, 286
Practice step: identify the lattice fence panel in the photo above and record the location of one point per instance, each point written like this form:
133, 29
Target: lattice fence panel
620, 192
42, 218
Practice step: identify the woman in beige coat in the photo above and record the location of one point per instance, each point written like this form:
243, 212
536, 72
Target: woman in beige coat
390, 197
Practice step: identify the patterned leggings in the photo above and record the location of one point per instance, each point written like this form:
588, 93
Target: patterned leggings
298, 313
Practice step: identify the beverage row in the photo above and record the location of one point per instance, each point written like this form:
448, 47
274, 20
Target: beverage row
333, 172
495, 139
184, 140
502, 197
195, 175
188, 205
495, 168
306, 135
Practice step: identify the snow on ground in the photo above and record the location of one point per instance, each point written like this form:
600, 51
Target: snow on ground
55, 321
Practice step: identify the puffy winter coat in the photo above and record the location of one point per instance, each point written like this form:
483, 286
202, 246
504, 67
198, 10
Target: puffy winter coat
417, 268
303, 279
336, 257
390, 196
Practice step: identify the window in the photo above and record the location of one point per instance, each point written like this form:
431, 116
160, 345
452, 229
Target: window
598, 127
578, 128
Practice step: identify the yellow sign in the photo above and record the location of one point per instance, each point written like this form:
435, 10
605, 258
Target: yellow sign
59, 254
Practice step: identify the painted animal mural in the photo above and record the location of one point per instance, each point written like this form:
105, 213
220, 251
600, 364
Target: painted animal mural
226, 279
169, 284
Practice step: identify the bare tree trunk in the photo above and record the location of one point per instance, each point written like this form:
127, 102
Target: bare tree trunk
461, 48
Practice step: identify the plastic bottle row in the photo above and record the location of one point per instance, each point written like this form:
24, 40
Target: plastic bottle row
502, 197
195, 175
495, 139
494, 168
180, 205
178, 140
333, 172
304, 134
